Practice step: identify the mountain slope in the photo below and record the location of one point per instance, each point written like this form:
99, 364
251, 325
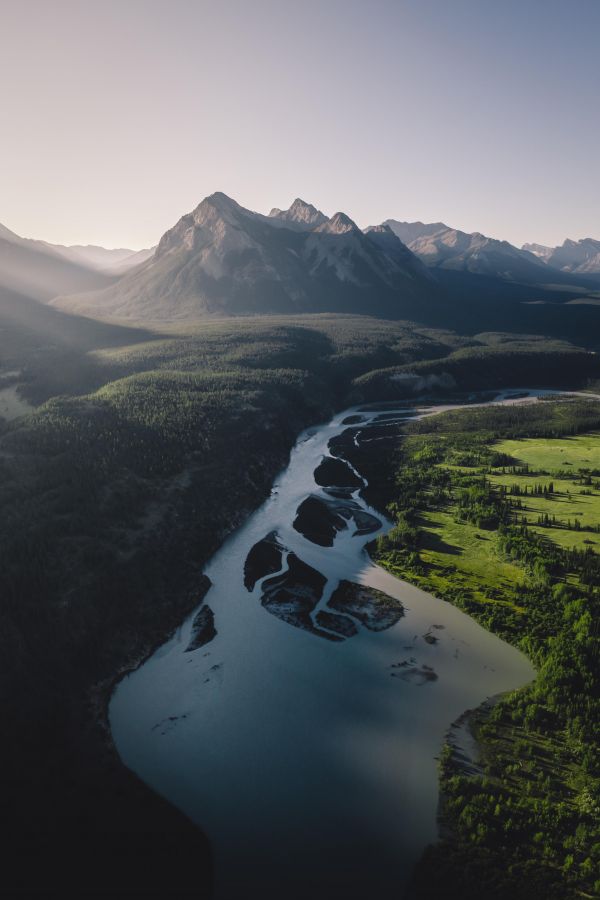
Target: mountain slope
46, 351
579, 257
411, 231
39, 271
440, 246
223, 259
136, 258
540, 250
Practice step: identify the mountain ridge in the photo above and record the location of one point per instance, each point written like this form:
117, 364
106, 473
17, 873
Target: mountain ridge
580, 257
222, 258
43, 270
300, 214
441, 246
33, 268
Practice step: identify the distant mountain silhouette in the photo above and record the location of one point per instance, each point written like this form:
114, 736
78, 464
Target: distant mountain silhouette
41, 271
580, 257
440, 246
104, 260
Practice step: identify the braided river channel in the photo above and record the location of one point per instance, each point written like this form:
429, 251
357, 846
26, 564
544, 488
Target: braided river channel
296, 716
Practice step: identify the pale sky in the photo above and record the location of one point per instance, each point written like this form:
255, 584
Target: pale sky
118, 116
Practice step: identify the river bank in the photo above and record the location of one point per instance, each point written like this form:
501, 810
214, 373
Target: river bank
12, 404
90, 587
503, 528
181, 719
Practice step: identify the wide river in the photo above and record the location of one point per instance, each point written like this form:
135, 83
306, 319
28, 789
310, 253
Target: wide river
309, 765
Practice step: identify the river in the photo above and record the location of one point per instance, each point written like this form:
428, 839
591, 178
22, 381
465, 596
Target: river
12, 404
310, 763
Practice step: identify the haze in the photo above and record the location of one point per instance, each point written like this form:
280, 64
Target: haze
119, 117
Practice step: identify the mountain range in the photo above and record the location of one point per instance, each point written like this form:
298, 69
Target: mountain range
113, 262
41, 270
440, 246
581, 257
222, 259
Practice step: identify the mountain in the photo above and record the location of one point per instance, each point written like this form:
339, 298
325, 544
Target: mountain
538, 250
411, 231
579, 257
37, 270
223, 259
101, 258
46, 351
129, 262
440, 246
301, 215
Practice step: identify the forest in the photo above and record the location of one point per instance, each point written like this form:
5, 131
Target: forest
144, 451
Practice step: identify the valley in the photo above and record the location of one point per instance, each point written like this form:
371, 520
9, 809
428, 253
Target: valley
119, 436
323, 669
300, 450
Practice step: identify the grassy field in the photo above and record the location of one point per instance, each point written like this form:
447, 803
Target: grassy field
568, 464
472, 557
581, 451
465, 554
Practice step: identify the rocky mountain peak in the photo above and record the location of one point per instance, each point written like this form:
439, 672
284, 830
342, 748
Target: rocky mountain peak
539, 250
581, 256
379, 229
300, 213
339, 223
213, 218
218, 205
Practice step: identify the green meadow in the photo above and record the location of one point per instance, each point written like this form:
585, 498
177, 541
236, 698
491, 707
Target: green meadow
579, 451
465, 556
572, 466
565, 512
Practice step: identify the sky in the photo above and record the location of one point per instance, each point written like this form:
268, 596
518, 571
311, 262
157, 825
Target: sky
119, 116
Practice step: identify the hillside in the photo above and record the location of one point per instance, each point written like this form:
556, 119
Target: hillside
46, 351
42, 272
